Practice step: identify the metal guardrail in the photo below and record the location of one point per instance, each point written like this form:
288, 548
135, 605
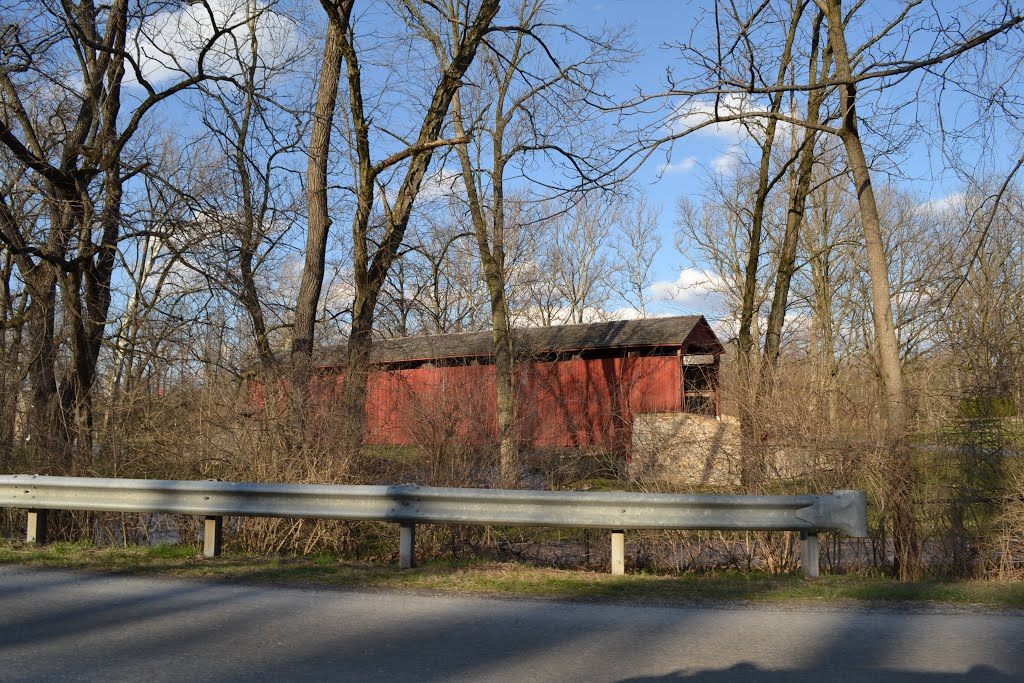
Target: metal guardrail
409, 505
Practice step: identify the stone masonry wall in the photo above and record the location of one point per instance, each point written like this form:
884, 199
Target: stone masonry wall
681, 448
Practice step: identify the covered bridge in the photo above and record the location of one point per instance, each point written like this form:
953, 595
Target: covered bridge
577, 385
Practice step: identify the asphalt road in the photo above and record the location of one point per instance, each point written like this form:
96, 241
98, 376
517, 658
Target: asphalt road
57, 625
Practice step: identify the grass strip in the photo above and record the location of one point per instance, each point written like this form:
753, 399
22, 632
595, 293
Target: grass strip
513, 579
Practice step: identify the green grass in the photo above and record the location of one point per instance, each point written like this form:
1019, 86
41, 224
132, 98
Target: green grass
507, 579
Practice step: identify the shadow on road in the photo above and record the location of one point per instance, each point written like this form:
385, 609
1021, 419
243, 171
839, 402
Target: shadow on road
749, 673
106, 627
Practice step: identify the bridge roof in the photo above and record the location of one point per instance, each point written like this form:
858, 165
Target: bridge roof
618, 334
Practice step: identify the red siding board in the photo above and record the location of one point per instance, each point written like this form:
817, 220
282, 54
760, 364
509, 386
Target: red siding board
569, 403
409, 406
583, 403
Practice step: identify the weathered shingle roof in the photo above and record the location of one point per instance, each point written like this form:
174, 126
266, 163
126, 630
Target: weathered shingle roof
649, 332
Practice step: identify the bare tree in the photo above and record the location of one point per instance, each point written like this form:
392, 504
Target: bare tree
525, 105
583, 268
13, 309
373, 255
878, 60
66, 123
901, 474
638, 242
255, 123
800, 187
436, 287
718, 230
828, 240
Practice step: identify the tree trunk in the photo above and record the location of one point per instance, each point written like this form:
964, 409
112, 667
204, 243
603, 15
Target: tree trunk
491, 249
900, 471
357, 370
249, 295
12, 326
43, 409
794, 221
370, 272
752, 464
319, 221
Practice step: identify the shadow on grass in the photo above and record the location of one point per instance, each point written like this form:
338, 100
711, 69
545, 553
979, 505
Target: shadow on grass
511, 579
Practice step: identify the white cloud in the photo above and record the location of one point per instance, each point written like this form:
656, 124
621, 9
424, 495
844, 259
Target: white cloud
167, 46
701, 117
954, 201
683, 166
727, 162
440, 184
725, 140
443, 182
694, 291
701, 114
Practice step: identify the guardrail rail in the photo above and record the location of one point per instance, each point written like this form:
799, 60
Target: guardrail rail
409, 505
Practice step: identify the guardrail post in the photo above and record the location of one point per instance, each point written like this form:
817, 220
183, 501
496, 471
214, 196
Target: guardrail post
407, 545
618, 553
809, 553
35, 529
213, 533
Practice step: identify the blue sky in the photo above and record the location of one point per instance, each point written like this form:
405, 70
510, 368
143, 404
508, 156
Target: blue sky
656, 24
919, 168
666, 176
